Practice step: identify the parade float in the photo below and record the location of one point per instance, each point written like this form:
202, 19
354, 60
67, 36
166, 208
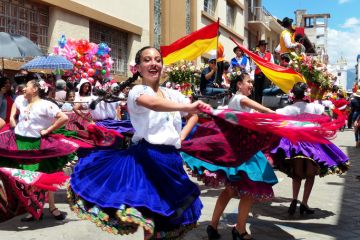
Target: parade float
318, 78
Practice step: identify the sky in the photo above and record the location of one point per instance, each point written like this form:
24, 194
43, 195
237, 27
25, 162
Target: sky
343, 25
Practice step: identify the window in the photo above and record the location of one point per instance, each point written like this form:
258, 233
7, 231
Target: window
26, 18
116, 40
230, 15
209, 7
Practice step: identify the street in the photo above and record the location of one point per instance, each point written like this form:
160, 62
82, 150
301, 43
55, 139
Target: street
334, 198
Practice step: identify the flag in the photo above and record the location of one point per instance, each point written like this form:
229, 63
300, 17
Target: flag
284, 78
191, 46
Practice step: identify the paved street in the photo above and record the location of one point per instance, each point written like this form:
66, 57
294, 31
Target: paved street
335, 199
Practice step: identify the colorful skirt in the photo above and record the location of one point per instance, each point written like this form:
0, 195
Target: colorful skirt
327, 157
253, 178
46, 155
25, 191
144, 185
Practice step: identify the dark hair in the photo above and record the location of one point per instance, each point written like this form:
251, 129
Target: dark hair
41, 92
81, 89
139, 53
299, 89
285, 57
68, 93
3, 81
235, 80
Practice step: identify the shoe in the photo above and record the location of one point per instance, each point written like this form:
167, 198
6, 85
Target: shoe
242, 236
292, 208
212, 233
31, 218
61, 216
305, 209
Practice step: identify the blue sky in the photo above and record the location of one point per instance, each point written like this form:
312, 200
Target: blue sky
343, 25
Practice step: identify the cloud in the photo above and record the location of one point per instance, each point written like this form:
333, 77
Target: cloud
344, 44
351, 22
343, 1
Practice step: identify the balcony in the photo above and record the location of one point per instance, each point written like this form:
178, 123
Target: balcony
259, 18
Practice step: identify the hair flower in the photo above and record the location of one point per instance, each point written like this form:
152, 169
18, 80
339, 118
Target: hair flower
44, 86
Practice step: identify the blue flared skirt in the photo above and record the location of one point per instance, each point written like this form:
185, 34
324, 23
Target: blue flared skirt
253, 178
146, 180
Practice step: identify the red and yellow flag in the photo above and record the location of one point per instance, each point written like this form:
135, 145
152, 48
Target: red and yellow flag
284, 78
191, 46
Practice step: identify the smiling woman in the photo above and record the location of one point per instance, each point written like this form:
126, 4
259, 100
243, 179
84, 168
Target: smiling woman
146, 184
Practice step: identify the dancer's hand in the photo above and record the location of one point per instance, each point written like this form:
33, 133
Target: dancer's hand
195, 107
44, 132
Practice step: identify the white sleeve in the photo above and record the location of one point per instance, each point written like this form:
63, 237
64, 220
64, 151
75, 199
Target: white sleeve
287, 41
277, 49
282, 111
19, 101
136, 92
178, 97
52, 109
247, 67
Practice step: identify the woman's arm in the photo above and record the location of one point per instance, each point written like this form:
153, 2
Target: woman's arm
61, 119
163, 105
2, 123
77, 110
255, 105
191, 120
14, 111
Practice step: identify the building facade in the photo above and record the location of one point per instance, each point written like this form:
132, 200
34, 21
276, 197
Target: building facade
126, 26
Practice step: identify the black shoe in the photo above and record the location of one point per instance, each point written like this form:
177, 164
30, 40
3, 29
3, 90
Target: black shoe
305, 209
212, 233
61, 216
242, 236
31, 218
292, 208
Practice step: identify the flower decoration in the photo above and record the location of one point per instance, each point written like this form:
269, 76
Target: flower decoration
183, 72
44, 86
315, 72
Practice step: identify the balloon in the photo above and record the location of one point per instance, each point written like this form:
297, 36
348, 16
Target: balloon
62, 41
84, 75
103, 48
98, 65
91, 80
91, 72
56, 50
79, 63
103, 72
82, 46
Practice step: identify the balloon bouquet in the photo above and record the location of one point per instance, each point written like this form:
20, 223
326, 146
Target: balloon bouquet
91, 61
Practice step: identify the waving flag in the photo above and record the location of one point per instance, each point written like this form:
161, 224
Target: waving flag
191, 46
284, 78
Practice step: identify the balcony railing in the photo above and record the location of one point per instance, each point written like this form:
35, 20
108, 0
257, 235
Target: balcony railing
259, 14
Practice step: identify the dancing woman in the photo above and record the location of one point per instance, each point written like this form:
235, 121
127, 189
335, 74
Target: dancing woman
144, 185
305, 160
251, 180
29, 147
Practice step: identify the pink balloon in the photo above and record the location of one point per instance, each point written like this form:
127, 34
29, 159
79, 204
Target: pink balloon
91, 80
84, 75
91, 72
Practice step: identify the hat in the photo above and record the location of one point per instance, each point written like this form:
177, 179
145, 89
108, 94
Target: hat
357, 94
212, 56
235, 48
262, 42
286, 22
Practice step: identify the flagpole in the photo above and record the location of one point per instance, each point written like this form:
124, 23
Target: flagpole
217, 45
